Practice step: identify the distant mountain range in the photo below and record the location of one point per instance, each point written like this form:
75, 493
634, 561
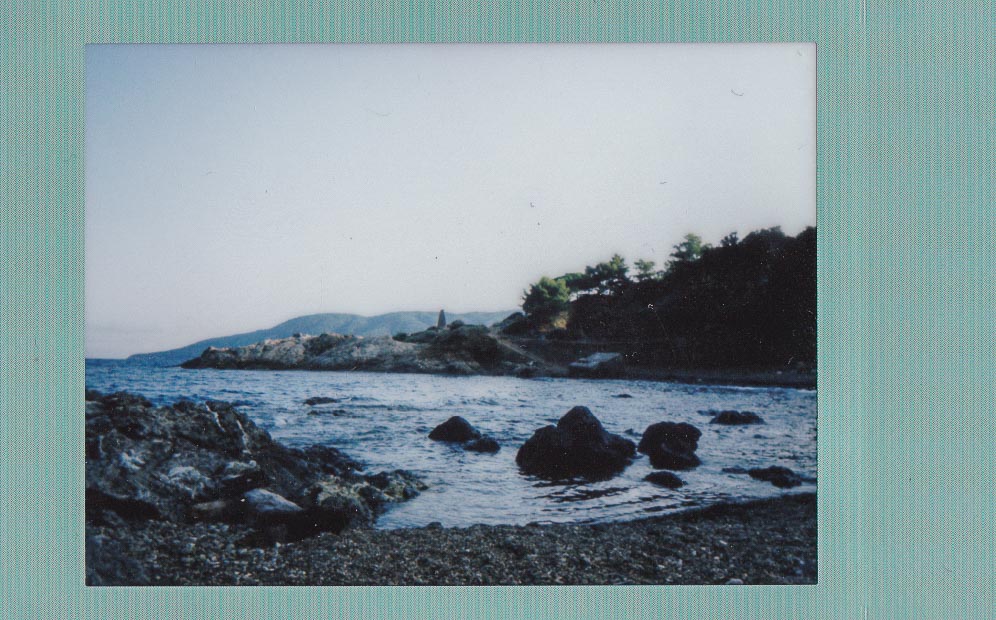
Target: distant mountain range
380, 325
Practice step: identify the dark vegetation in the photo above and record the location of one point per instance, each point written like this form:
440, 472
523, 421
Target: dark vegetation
747, 302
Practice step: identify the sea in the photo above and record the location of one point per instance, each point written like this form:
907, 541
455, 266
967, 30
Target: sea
384, 419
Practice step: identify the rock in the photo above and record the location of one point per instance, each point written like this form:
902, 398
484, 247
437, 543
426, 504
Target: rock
734, 470
671, 445
265, 507
319, 400
735, 582
210, 463
597, 365
781, 477
665, 479
459, 430
624, 395
455, 429
736, 417
484, 444
333, 505
576, 446
456, 324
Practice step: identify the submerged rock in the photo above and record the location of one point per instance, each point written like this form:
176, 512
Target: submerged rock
736, 417
665, 479
781, 477
577, 446
484, 444
319, 400
671, 445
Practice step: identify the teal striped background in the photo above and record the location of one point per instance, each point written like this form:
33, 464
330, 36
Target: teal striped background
907, 93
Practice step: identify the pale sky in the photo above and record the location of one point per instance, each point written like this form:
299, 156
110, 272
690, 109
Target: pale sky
231, 187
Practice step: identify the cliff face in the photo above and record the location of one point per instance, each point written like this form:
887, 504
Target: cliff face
457, 349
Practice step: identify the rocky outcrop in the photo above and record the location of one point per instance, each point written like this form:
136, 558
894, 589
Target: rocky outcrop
459, 349
577, 446
730, 418
459, 430
189, 462
671, 445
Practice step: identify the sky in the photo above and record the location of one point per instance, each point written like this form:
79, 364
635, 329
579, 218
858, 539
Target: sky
232, 187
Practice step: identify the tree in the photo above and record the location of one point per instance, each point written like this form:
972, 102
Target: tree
644, 270
546, 299
575, 282
689, 250
730, 240
608, 276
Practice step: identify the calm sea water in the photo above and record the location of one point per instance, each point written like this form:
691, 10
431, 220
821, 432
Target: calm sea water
384, 421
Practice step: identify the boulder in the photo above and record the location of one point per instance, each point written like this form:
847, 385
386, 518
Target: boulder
319, 400
459, 430
671, 445
730, 418
576, 446
781, 477
665, 479
265, 507
455, 429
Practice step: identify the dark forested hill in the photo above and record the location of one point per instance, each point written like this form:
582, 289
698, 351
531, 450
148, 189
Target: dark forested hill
749, 301
380, 325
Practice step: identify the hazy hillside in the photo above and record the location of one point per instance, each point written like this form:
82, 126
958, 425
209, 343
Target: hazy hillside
381, 325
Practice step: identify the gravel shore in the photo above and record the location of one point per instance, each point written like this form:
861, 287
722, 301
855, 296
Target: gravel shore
762, 542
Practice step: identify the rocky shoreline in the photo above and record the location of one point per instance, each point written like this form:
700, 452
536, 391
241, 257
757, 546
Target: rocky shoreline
459, 349
197, 494
456, 349
761, 542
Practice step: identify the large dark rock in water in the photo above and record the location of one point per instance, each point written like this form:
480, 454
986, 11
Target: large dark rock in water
459, 430
455, 429
671, 445
730, 418
576, 446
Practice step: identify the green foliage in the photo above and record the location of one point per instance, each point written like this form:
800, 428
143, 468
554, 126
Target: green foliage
689, 250
608, 276
575, 282
645, 270
546, 299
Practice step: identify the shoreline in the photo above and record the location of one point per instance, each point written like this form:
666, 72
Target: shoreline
734, 377
770, 541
